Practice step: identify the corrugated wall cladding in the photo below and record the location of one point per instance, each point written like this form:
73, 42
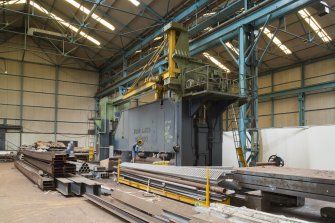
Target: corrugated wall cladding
51, 102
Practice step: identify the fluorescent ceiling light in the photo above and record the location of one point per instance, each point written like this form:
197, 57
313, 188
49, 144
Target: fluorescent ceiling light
14, 2
94, 16
209, 14
216, 62
66, 24
234, 49
135, 2
314, 25
277, 41
158, 38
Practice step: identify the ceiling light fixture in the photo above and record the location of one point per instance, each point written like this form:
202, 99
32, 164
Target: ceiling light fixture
234, 49
135, 2
14, 2
314, 25
216, 62
277, 42
66, 24
94, 16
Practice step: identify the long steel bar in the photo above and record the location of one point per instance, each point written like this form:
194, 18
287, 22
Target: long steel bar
181, 171
127, 213
45, 156
175, 180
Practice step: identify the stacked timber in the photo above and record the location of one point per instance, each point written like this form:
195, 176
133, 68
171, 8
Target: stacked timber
49, 146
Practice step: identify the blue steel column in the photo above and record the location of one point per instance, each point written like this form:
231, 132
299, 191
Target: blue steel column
242, 129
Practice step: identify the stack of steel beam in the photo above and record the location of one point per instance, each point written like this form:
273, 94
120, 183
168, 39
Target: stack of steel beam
53, 163
184, 181
33, 174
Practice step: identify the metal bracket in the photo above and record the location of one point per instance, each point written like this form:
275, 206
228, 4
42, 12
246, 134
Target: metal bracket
229, 51
257, 38
269, 43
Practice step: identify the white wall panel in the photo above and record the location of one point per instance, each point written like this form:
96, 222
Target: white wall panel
35, 113
38, 126
320, 100
39, 99
286, 105
28, 139
281, 79
299, 147
71, 115
30, 84
320, 68
10, 82
70, 128
76, 102
9, 97
321, 117
264, 121
264, 108
78, 76
77, 89
9, 111
40, 71
284, 120
264, 84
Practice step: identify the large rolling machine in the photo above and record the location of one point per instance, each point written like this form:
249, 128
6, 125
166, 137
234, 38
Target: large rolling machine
183, 122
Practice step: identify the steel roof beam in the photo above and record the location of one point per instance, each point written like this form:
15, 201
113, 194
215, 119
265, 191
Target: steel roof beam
254, 16
145, 41
229, 30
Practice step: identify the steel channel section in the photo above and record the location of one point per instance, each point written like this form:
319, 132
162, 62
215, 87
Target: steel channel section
45, 156
31, 173
114, 209
46, 167
63, 186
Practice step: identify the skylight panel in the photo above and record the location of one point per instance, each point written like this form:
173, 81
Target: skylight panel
60, 20
231, 47
314, 25
135, 2
216, 62
277, 42
94, 16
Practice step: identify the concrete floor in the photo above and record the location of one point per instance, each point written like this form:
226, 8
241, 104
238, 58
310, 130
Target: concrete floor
22, 201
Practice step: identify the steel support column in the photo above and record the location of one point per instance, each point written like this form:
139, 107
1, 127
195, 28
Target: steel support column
301, 97
21, 96
56, 102
242, 75
272, 103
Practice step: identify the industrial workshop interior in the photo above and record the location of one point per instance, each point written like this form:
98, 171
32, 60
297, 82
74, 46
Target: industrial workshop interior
169, 111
